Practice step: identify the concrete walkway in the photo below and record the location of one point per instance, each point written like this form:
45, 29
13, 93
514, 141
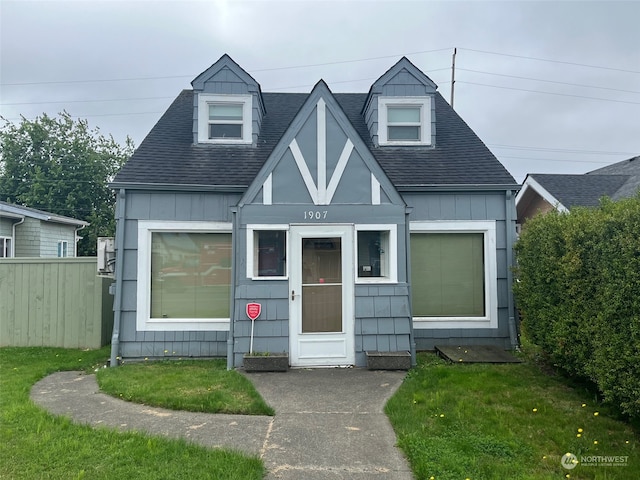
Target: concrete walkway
329, 423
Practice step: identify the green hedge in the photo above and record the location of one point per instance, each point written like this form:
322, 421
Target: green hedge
578, 290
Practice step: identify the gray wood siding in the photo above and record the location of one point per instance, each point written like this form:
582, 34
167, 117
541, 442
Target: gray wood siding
6, 226
228, 82
51, 234
383, 319
27, 241
469, 206
403, 84
169, 206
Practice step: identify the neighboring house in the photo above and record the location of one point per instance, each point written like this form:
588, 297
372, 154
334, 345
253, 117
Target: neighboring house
542, 193
27, 232
358, 221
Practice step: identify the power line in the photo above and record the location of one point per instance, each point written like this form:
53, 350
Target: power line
90, 101
552, 61
548, 81
557, 150
551, 93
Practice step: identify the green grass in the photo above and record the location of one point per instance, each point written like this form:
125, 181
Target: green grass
193, 385
459, 421
37, 445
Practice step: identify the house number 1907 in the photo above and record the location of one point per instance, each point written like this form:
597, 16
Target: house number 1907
315, 214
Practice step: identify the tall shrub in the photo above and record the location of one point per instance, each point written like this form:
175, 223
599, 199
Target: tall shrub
578, 288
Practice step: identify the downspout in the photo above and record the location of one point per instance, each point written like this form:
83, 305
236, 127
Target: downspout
76, 239
510, 232
117, 300
234, 273
407, 241
13, 236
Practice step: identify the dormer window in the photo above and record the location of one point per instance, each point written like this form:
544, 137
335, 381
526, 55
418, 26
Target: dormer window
224, 118
404, 120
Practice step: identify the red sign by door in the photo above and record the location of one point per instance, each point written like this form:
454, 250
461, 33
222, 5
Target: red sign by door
253, 310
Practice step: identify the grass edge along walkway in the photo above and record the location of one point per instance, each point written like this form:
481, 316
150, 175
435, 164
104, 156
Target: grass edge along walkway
483, 421
35, 444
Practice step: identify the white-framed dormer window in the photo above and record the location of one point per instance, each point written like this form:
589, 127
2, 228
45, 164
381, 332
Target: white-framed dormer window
224, 118
404, 120
63, 248
5, 247
377, 258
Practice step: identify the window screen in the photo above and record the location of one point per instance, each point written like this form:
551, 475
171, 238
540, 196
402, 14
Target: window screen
447, 274
190, 275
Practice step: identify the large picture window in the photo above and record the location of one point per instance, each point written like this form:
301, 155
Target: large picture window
453, 277
184, 276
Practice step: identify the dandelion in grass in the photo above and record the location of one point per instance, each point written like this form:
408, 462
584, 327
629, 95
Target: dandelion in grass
595, 442
595, 414
584, 405
442, 415
535, 410
580, 430
578, 435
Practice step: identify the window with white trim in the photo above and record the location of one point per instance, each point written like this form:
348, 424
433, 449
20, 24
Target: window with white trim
5, 247
184, 275
224, 118
63, 248
376, 259
267, 252
404, 120
454, 274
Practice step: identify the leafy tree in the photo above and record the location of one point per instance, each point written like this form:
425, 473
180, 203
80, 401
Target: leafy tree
62, 166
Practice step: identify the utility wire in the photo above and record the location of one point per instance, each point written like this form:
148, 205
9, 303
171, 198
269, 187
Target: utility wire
550, 93
548, 81
552, 61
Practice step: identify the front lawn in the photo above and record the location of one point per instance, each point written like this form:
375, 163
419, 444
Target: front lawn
37, 445
193, 385
466, 421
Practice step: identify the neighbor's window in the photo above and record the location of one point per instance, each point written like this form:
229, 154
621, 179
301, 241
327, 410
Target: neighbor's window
5, 247
224, 118
63, 248
190, 275
404, 120
376, 258
447, 274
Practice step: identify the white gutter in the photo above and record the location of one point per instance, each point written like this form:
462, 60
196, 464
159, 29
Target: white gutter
77, 238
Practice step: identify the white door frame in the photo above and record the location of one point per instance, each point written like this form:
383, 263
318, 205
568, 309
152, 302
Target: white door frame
321, 349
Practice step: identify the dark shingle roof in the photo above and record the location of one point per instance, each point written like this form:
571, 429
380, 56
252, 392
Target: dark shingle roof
580, 190
168, 156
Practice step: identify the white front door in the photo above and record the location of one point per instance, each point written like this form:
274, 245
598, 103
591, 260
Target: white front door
321, 323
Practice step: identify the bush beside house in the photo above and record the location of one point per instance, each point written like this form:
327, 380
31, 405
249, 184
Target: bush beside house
578, 291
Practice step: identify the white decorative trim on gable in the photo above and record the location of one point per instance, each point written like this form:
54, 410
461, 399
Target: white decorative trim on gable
321, 194
531, 184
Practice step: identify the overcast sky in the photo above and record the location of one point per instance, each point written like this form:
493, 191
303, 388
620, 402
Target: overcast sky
550, 87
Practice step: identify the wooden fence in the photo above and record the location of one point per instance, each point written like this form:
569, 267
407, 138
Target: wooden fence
54, 302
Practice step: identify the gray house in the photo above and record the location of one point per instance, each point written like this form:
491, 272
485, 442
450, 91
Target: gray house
357, 222
543, 192
27, 232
